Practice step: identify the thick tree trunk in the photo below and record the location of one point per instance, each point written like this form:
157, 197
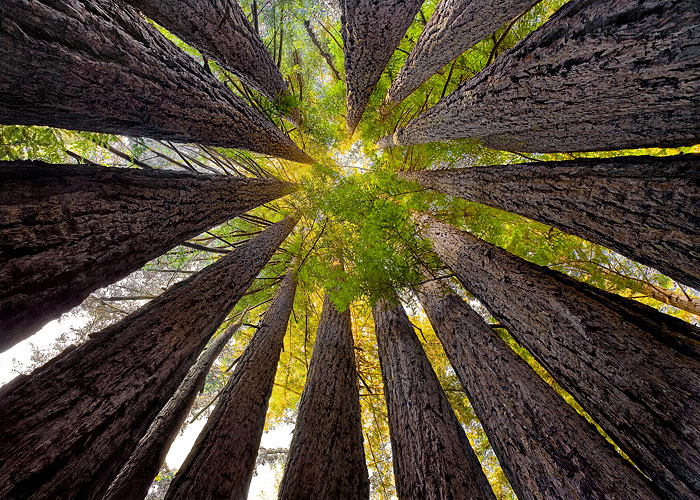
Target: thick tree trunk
432, 456
137, 475
97, 65
634, 370
455, 26
326, 458
67, 230
545, 448
222, 461
69, 427
598, 75
371, 32
221, 31
646, 208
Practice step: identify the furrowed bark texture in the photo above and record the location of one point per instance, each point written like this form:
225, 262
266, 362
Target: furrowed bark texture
598, 75
220, 30
633, 369
97, 65
137, 475
646, 208
432, 456
222, 461
371, 32
69, 427
67, 230
455, 26
326, 459
545, 448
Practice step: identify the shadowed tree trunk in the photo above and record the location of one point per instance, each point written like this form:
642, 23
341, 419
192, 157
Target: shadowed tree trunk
67, 230
371, 32
222, 461
632, 368
455, 26
69, 427
545, 448
326, 458
136, 477
97, 65
221, 31
432, 456
646, 208
598, 75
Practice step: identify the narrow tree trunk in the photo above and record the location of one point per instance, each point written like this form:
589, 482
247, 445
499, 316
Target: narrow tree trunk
97, 65
326, 458
69, 427
455, 26
598, 75
222, 461
545, 448
646, 208
67, 230
634, 370
432, 456
324, 53
371, 32
137, 475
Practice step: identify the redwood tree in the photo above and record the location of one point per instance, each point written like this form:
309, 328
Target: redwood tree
69, 427
432, 456
633, 369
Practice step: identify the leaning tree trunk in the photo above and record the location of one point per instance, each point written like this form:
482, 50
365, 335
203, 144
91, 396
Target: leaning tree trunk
635, 370
371, 32
67, 230
222, 461
455, 26
545, 448
432, 456
69, 427
598, 75
646, 208
137, 475
97, 65
326, 458
221, 31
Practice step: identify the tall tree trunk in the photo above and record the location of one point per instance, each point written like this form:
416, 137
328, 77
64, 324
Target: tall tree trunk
432, 456
598, 75
221, 31
222, 461
137, 475
634, 370
324, 53
69, 427
455, 26
67, 230
97, 65
545, 448
371, 32
326, 458
646, 208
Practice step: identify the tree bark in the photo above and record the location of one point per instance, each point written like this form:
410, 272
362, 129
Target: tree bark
220, 30
67, 230
371, 32
455, 26
597, 76
432, 457
324, 53
222, 461
97, 65
136, 477
545, 448
326, 458
70, 426
634, 370
646, 208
